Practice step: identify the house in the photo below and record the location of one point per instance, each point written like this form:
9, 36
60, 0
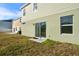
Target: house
54, 21
16, 25
6, 25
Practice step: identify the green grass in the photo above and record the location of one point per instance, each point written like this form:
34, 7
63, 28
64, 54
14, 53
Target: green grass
50, 42
15, 45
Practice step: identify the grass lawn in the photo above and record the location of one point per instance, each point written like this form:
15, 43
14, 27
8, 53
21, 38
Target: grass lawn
14, 45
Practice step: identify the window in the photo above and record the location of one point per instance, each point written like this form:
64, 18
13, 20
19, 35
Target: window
20, 20
24, 13
34, 6
66, 24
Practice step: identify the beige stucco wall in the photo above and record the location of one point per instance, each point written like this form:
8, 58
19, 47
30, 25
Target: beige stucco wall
45, 13
45, 9
53, 27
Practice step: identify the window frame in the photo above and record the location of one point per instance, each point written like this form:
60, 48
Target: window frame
66, 25
24, 13
38, 29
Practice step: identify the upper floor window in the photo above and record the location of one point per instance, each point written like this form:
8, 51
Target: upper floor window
66, 24
34, 6
24, 13
20, 19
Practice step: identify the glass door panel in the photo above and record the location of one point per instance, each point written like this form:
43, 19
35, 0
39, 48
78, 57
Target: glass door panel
40, 29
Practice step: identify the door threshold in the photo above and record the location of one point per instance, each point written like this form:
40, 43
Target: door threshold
39, 37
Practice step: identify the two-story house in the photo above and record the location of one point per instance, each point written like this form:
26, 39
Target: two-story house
55, 21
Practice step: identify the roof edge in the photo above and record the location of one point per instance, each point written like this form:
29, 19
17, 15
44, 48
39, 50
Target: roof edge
24, 6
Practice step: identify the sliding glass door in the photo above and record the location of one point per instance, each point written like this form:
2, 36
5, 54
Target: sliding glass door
40, 29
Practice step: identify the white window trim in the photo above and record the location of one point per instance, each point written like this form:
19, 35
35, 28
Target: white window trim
67, 25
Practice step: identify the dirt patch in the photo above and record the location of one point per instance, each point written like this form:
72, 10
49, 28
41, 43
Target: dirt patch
14, 45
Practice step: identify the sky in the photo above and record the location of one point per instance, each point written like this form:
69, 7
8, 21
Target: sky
10, 10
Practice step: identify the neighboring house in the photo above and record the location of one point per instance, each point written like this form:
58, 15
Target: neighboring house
5, 25
10, 26
55, 21
16, 25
